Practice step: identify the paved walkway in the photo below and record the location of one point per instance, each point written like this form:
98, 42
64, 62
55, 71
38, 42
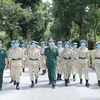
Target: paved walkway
42, 91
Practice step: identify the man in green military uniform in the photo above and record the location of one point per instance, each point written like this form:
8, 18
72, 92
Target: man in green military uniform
51, 54
3, 62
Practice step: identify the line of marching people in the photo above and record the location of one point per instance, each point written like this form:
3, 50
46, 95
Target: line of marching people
61, 59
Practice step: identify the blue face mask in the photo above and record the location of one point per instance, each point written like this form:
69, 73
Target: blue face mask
42, 46
82, 44
59, 46
98, 46
66, 46
75, 46
33, 46
0, 45
51, 44
16, 45
23, 47
12, 44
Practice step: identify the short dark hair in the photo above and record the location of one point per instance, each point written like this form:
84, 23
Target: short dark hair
50, 37
1, 40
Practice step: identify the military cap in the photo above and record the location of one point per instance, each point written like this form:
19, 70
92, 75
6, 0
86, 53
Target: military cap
17, 41
59, 42
64, 43
29, 43
97, 43
12, 41
68, 42
33, 42
42, 43
37, 42
22, 44
74, 43
82, 41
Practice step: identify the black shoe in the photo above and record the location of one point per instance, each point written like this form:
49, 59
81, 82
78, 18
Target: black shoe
1, 89
81, 81
32, 84
57, 77
43, 72
60, 77
36, 81
49, 83
87, 83
14, 82
98, 83
66, 82
17, 86
11, 81
74, 78
23, 69
39, 69
53, 86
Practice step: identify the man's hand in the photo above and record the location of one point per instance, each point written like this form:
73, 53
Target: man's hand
58, 64
44, 63
6, 67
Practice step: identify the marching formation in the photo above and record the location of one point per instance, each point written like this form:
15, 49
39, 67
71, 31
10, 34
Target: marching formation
61, 59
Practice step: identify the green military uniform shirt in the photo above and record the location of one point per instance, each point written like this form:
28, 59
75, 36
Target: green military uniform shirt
51, 56
3, 55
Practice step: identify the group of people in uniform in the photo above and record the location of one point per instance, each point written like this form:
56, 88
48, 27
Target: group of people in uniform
61, 59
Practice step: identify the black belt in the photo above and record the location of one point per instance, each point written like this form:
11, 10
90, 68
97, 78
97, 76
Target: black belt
97, 58
17, 59
42, 54
74, 58
82, 57
32, 59
67, 58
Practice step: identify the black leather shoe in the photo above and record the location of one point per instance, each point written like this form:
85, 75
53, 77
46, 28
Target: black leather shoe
49, 83
39, 69
66, 82
53, 86
74, 78
14, 82
1, 89
81, 81
17, 86
36, 81
60, 77
32, 84
87, 83
23, 69
57, 77
43, 72
11, 81
98, 83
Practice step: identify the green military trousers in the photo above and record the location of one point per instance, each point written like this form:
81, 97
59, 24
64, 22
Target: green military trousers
1, 76
52, 73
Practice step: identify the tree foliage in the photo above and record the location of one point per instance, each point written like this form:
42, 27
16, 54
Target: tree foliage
84, 13
10, 14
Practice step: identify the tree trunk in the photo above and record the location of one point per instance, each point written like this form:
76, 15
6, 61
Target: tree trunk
95, 30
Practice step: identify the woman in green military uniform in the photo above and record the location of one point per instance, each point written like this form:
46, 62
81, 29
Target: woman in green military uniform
51, 54
3, 62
